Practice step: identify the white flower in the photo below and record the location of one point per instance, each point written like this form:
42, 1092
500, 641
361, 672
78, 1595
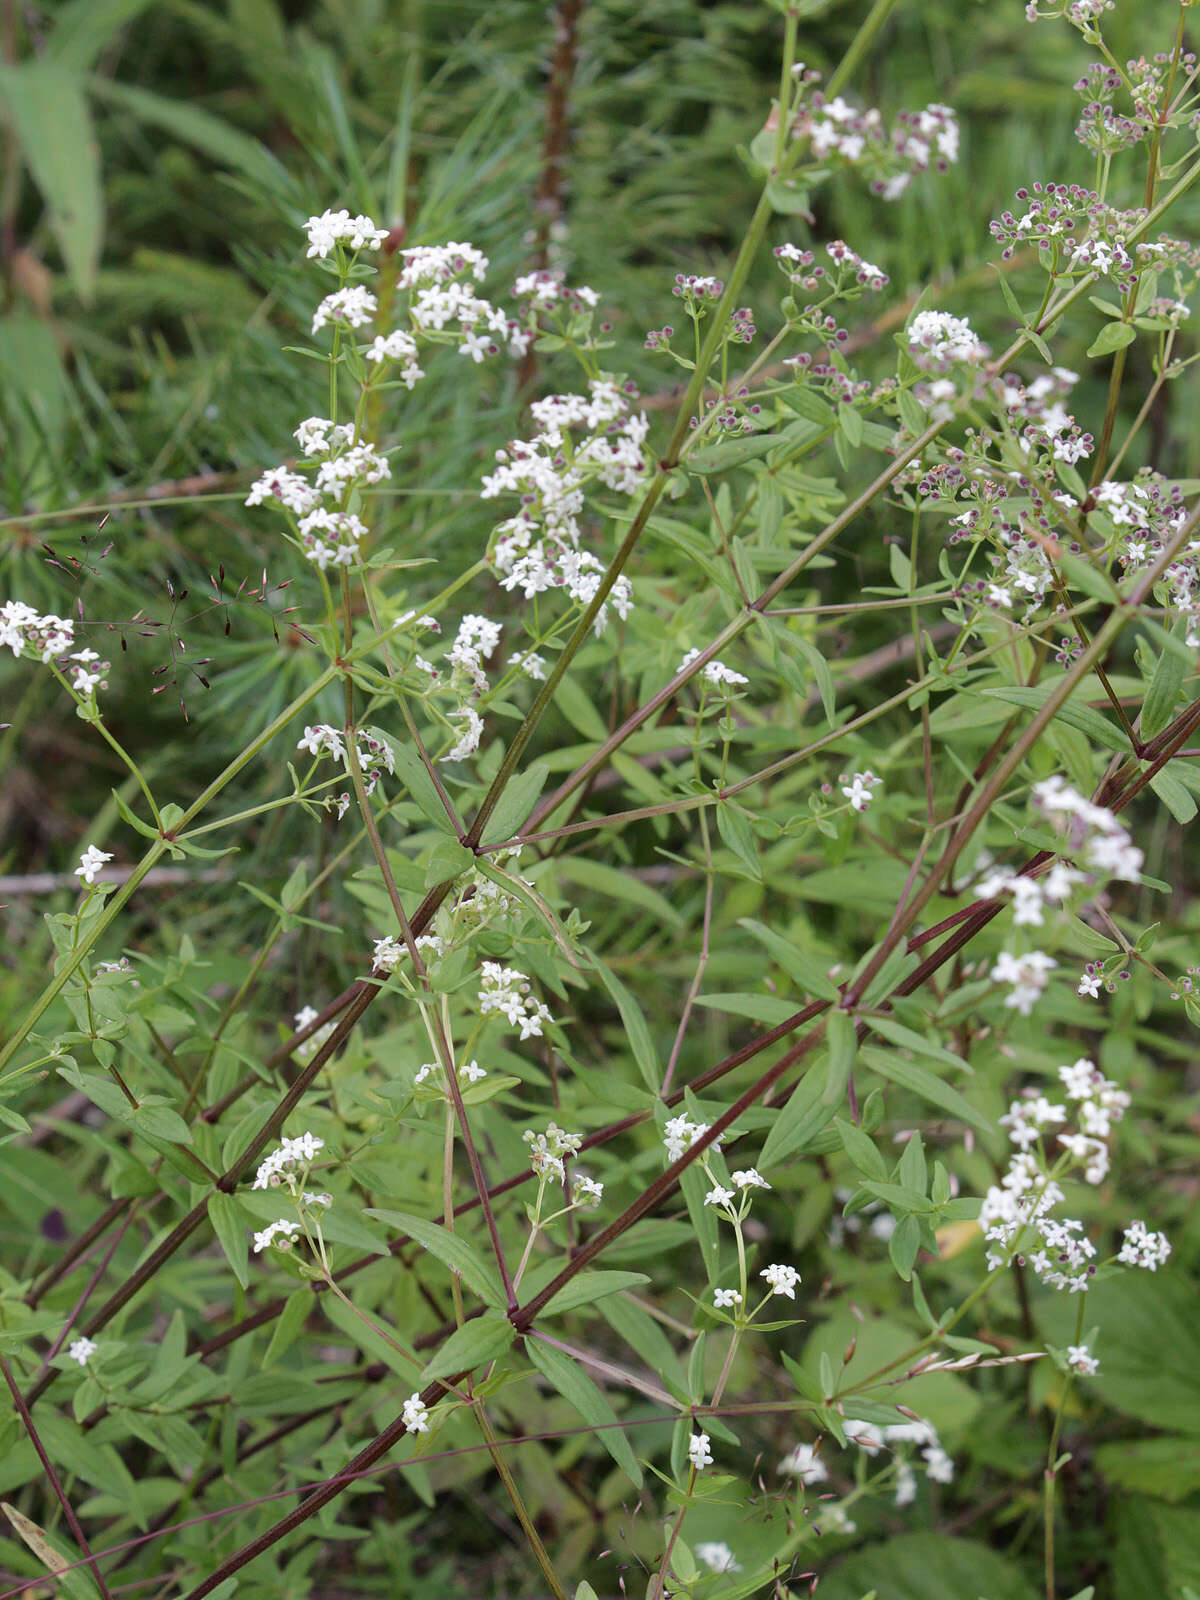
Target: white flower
325, 231
679, 1135
714, 671
751, 1178
416, 1415
938, 1465
282, 1232
698, 1452
353, 307
718, 1557
782, 1279
1141, 1248
1027, 974
858, 791
724, 1298
530, 663
586, 1191
323, 740
82, 1350
717, 1196
509, 992
865, 1435
468, 743
804, 1463
937, 339
1081, 1358
547, 1151
291, 1153
90, 863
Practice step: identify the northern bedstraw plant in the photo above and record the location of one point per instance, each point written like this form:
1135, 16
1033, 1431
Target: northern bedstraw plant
547, 1185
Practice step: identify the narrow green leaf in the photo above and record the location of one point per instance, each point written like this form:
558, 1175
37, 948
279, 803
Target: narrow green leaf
82, 28
229, 1225
588, 1287
615, 884
289, 1325
923, 1083
414, 775
515, 804
842, 1040
451, 1249
477, 1342
800, 1121
860, 1147
637, 1030
1162, 693
734, 827
49, 115
188, 124
573, 1383
803, 969
897, 1033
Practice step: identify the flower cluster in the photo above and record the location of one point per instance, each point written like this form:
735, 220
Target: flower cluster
431, 1078
277, 1168
548, 1151
332, 228
715, 672
680, 1135
509, 992
538, 549
781, 1279
918, 140
699, 1454
1017, 1214
1091, 833
389, 951
82, 1350
806, 1464
937, 340
280, 1234
302, 1019
374, 754
1028, 975
50, 638
415, 1414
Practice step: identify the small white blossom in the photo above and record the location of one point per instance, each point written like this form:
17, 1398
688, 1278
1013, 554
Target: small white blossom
291, 1153
717, 1557
352, 307
751, 1178
509, 992
698, 1452
717, 1196
82, 1350
90, 863
1027, 974
804, 1463
716, 672
865, 1435
723, 1299
358, 233
1141, 1248
281, 1233
937, 340
415, 1415
1081, 1359
782, 1279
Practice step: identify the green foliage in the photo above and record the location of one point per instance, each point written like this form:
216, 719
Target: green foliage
307, 1279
